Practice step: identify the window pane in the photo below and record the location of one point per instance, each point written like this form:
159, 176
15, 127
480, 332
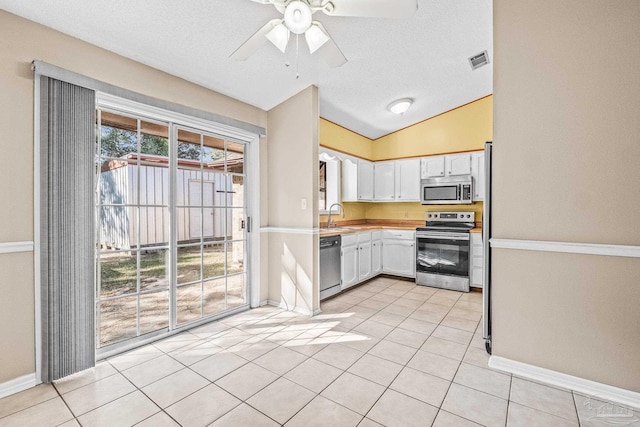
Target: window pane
189, 148
189, 302
214, 296
213, 158
154, 140
117, 227
154, 311
215, 224
189, 263
154, 184
235, 157
153, 269
235, 186
236, 291
117, 143
235, 257
188, 225
214, 260
118, 273
118, 319
236, 222
116, 182
154, 227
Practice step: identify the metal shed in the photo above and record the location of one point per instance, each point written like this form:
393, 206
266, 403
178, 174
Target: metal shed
122, 215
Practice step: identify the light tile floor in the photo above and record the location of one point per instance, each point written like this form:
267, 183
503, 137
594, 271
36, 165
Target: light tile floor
386, 353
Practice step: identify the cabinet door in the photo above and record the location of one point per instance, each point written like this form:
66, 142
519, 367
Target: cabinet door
408, 180
349, 266
398, 257
364, 261
477, 171
365, 180
376, 257
384, 181
458, 164
431, 167
349, 180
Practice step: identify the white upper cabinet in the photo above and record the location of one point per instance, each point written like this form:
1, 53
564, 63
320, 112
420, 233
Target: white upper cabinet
407, 180
349, 180
384, 181
458, 164
365, 181
432, 167
477, 172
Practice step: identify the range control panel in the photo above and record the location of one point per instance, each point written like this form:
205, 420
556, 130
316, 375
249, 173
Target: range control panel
451, 216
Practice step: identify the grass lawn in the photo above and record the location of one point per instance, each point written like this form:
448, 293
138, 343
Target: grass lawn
119, 317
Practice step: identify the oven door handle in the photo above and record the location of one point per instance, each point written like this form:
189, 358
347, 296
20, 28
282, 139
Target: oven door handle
443, 236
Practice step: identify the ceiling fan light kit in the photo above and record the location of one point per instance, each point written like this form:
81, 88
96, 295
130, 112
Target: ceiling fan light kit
279, 36
298, 19
400, 106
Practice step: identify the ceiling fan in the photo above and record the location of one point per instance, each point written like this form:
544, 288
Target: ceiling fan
298, 19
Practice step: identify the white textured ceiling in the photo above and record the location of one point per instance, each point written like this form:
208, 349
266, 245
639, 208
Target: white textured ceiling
423, 57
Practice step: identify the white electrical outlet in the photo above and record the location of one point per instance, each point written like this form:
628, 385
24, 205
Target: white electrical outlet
303, 203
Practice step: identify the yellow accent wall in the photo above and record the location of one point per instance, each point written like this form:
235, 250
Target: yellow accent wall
342, 139
465, 128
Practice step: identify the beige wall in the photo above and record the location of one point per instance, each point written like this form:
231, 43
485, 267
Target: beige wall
21, 42
293, 176
566, 108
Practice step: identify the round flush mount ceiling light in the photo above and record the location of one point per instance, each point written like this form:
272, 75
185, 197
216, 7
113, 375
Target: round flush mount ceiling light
400, 106
297, 17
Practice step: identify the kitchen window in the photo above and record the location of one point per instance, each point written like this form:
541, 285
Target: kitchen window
328, 181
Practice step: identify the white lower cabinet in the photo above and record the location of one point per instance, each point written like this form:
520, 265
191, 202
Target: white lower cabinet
476, 260
376, 253
399, 252
365, 255
349, 265
356, 261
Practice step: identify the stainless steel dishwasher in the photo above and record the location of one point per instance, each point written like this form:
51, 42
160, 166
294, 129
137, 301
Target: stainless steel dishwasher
329, 266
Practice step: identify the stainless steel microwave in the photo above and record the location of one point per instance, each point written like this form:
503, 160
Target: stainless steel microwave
452, 190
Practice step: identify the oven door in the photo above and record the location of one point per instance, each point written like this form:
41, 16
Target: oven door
444, 253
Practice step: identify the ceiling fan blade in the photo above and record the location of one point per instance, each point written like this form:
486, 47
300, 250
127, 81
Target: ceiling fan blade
371, 8
330, 51
254, 43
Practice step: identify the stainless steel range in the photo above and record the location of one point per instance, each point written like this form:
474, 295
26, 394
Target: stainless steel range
442, 250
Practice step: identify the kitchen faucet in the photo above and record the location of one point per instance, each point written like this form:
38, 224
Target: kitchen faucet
329, 223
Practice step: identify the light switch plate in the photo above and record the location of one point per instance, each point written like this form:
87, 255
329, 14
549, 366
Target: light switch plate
303, 203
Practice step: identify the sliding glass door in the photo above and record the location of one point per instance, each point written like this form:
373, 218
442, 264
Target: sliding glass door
171, 235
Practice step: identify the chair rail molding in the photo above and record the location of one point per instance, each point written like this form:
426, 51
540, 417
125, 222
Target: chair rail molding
16, 247
567, 247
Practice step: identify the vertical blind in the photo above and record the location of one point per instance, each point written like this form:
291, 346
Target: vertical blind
67, 133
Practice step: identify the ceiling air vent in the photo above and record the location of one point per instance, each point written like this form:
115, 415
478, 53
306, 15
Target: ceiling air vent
479, 60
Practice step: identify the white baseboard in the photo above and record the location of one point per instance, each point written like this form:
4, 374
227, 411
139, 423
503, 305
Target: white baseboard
17, 385
580, 385
282, 305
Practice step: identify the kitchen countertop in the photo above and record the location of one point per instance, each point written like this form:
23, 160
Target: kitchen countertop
378, 225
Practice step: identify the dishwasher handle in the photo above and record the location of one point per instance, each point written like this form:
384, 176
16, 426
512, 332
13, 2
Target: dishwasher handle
329, 242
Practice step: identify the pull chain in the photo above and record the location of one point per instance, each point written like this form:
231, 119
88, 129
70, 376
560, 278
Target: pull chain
297, 55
